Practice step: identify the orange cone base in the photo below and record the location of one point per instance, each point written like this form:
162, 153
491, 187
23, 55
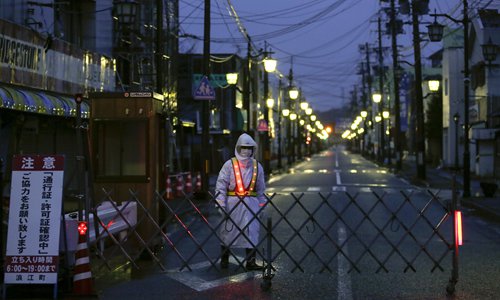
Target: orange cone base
82, 278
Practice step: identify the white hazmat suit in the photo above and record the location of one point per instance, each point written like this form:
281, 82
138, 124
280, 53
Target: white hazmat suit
241, 227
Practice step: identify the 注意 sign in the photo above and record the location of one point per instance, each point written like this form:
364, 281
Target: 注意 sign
34, 219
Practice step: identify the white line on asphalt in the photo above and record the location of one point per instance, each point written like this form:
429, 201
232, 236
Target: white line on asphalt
344, 278
289, 189
337, 174
313, 189
199, 284
336, 188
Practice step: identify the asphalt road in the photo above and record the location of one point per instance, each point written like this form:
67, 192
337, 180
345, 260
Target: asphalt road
343, 228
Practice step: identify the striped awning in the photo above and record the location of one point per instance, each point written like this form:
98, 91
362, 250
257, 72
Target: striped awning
40, 102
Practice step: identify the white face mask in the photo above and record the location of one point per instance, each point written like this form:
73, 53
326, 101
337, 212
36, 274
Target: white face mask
246, 152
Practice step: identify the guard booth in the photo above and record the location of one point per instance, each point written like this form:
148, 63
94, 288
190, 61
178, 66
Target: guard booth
127, 151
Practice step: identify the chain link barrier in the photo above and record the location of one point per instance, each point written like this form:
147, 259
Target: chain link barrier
305, 232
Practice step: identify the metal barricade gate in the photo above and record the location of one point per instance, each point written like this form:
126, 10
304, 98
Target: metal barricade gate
382, 232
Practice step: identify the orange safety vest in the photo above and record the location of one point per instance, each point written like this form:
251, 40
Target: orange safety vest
239, 189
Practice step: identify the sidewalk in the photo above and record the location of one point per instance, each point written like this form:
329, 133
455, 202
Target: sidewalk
442, 178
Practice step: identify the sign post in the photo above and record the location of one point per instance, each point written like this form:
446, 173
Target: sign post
32, 255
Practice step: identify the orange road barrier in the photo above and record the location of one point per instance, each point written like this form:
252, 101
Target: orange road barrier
189, 183
198, 182
169, 195
180, 186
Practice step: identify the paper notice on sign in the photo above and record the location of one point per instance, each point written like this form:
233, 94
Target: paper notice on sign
32, 254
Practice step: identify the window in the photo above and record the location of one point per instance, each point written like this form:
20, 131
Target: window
121, 149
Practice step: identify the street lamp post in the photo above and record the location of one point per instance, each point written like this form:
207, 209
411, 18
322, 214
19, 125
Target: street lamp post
279, 124
435, 35
456, 117
269, 66
419, 105
377, 98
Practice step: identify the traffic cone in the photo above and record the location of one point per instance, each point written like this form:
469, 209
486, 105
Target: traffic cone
82, 277
169, 195
189, 183
179, 186
198, 182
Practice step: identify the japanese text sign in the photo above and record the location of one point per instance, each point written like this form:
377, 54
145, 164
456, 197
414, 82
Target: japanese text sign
34, 219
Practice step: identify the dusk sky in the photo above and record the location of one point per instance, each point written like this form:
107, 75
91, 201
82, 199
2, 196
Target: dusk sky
322, 37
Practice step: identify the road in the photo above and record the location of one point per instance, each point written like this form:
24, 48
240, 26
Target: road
336, 238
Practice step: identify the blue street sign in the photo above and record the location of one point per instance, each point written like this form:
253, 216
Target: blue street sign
205, 91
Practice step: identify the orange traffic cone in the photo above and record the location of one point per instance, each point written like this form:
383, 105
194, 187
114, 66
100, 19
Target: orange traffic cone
189, 183
169, 195
198, 182
179, 186
82, 278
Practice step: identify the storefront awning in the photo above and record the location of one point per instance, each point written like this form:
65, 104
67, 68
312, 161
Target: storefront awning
40, 102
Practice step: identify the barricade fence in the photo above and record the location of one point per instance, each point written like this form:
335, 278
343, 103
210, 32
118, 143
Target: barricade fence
301, 232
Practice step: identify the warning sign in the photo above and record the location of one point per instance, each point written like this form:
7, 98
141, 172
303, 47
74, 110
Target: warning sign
262, 125
204, 91
34, 219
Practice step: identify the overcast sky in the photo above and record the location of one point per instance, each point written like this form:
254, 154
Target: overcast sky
321, 37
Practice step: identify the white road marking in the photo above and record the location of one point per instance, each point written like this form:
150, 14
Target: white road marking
289, 189
344, 287
313, 189
199, 284
337, 175
337, 188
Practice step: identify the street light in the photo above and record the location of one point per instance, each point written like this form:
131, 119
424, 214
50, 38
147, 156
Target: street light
490, 51
125, 12
433, 85
232, 78
376, 97
436, 34
293, 93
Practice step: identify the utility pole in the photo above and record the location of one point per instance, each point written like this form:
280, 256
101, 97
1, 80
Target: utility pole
419, 105
369, 94
159, 47
381, 91
466, 102
290, 145
395, 70
205, 113
246, 84
363, 105
280, 99
265, 134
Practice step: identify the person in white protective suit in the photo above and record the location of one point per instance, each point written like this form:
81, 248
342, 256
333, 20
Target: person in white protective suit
239, 193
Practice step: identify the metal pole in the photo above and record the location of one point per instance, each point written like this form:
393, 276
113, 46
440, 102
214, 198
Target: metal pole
369, 92
381, 88
159, 47
279, 124
450, 288
246, 87
466, 163
205, 110
456, 144
420, 135
397, 109
267, 154
268, 269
